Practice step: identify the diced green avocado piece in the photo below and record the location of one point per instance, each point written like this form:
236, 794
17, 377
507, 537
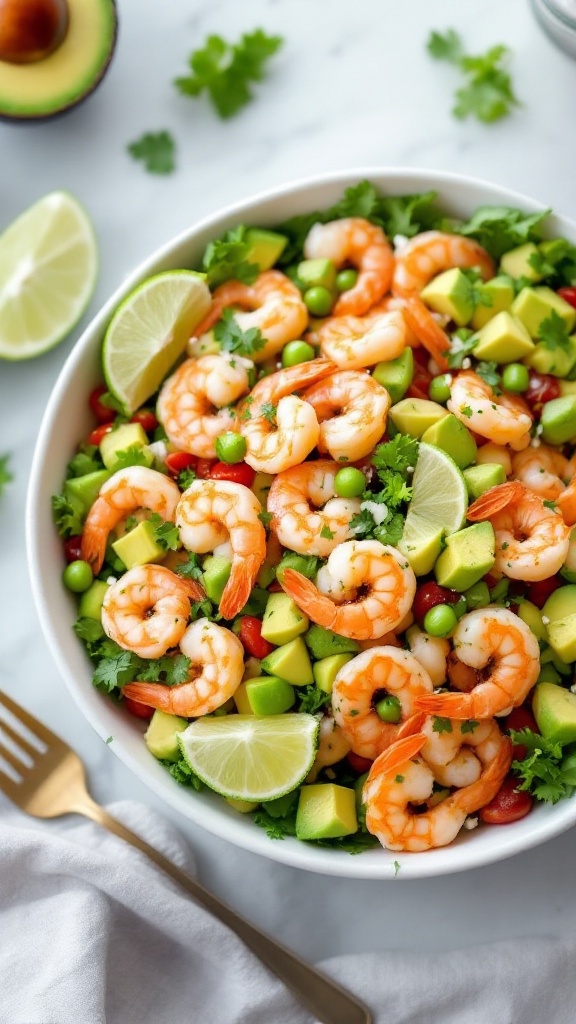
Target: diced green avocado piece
323, 642
291, 662
477, 596
503, 339
533, 305
554, 709
82, 491
423, 555
240, 698
269, 695
161, 736
558, 419
396, 375
499, 292
314, 273
261, 487
326, 670
562, 637
532, 616
560, 604
91, 601
567, 387
266, 247
139, 546
415, 415
550, 657
558, 361
450, 293
454, 438
326, 811
468, 556
215, 575
127, 435
516, 262
283, 621
483, 476
242, 806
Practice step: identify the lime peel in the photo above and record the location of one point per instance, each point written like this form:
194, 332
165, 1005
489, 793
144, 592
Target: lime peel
438, 507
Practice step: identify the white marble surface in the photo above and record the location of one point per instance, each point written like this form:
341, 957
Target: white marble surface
352, 86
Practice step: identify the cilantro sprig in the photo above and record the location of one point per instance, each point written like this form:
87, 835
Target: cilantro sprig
114, 667
228, 257
487, 93
156, 150
553, 333
232, 338
546, 771
394, 462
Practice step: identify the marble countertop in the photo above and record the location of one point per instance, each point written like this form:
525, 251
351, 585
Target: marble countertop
353, 86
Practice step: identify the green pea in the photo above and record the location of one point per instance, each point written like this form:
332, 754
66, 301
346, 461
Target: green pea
318, 300
346, 279
230, 447
440, 620
439, 390
349, 482
77, 576
389, 709
297, 352
515, 377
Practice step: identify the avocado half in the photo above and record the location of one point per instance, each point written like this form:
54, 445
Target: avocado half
48, 87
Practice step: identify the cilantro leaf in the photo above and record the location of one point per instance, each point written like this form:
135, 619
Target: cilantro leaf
165, 532
183, 774
545, 771
5, 474
91, 633
312, 699
134, 455
268, 411
400, 454
86, 460
441, 724
555, 261
553, 333
447, 47
166, 670
361, 200
459, 349
155, 150
225, 70
226, 258
407, 215
67, 519
190, 570
115, 670
499, 228
308, 565
489, 373
391, 530
276, 828
185, 478
488, 93
232, 338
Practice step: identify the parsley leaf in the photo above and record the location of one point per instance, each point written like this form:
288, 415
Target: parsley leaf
499, 228
488, 93
544, 771
67, 519
5, 474
225, 70
326, 533
91, 632
156, 150
232, 338
165, 532
312, 699
276, 828
553, 333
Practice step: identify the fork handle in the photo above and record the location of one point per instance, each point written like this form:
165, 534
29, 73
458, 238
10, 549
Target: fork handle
330, 1003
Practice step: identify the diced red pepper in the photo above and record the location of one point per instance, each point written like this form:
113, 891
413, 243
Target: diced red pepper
176, 462
137, 709
239, 473
203, 467
428, 595
73, 548
251, 637
98, 433
103, 413
357, 763
568, 294
509, 804
146, 419
538, 593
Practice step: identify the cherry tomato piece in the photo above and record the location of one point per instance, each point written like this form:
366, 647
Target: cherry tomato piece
357, 763
518, 719
137, 709
251, 637
146, 419
541, 388
509, 804
568, 294
73, 549
98, 433
420, 383
203, 467
239, 473
428, 595
177, 461
538, 593
103, 413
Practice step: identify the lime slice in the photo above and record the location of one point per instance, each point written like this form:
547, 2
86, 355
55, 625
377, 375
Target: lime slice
250, 758
438, 507
148, 332
48, 269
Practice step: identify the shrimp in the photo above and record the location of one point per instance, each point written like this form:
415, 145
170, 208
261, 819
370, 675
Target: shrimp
431, 651
457, 753
362, 682
307, 515
147, 610
353, 342
431, 252
397, 784
192, 404
280, 428
211, 512
498, 641
504, 419
566, 501
276, 307
125, 492
351, 408
363, 591
532, 540
428, 331
216, 668
570, 560
332, 746
354, 240
541, 469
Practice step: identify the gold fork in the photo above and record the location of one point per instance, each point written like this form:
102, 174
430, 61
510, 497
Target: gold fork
54, 785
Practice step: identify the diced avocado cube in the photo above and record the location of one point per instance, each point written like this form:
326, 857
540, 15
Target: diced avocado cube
323, 642
549, 656
548, 674
468, 556
261, 487
452, 437
558, 419
269, 695
533, 305
532, 616
554, 709
266, 247
567, 387
483, 476
283, 621
326, 811
240, 698
477, 596
415, 415
516, 262
215, 575
91, 601
558, 361
450, 293
161, 736
562, 637
326, 670
396, 375
242, 806
314, 273
291, 662
139, 546
422, 555
205, 345
499, 292
127, 435
82, 491
560, 604
503, 339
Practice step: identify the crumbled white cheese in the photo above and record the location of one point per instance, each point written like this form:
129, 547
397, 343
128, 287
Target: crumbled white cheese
159, 450
535, 442
110, 580
539, 430
471, 823
545, 620
466, 363
377, 510
399, 242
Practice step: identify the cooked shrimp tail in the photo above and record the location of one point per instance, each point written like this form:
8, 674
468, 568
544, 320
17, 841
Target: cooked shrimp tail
401, 751
494, 500
448, 705
429, 333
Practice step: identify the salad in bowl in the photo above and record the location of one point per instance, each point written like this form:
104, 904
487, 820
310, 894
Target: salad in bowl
317, 526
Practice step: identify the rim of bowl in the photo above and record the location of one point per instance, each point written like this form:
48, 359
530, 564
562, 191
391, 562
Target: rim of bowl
56, 609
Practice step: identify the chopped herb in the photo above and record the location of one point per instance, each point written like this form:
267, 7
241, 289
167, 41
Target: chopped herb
488, 93
459, 349
183, 773
326, 533
185, 478
400, 454
166, 670
556, 262
67, 519
86, 460
490, 375
190, 570
553, 333
468, 726
232, 338
308, 565
547, 504
109, 740
226, 258
499, 228
156, 151
268, 411
165, 532
134, 455
116, 670
441, 724
265, 517
311, 699
396, 868
466, 411
543, 771
399, 778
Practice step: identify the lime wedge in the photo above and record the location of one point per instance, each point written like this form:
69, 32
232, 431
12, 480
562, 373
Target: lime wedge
148, 332
438, 507
250, 758
48, 269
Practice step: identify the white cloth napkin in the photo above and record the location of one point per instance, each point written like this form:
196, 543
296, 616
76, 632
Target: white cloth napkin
92, 933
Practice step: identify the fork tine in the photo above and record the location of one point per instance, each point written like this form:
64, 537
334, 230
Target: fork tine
19, 739
28, 720
12, 760
13, 790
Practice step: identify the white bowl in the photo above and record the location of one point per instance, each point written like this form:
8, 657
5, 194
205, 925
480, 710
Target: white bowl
67, 420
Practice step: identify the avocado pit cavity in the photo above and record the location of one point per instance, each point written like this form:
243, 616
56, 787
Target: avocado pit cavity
30, 30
